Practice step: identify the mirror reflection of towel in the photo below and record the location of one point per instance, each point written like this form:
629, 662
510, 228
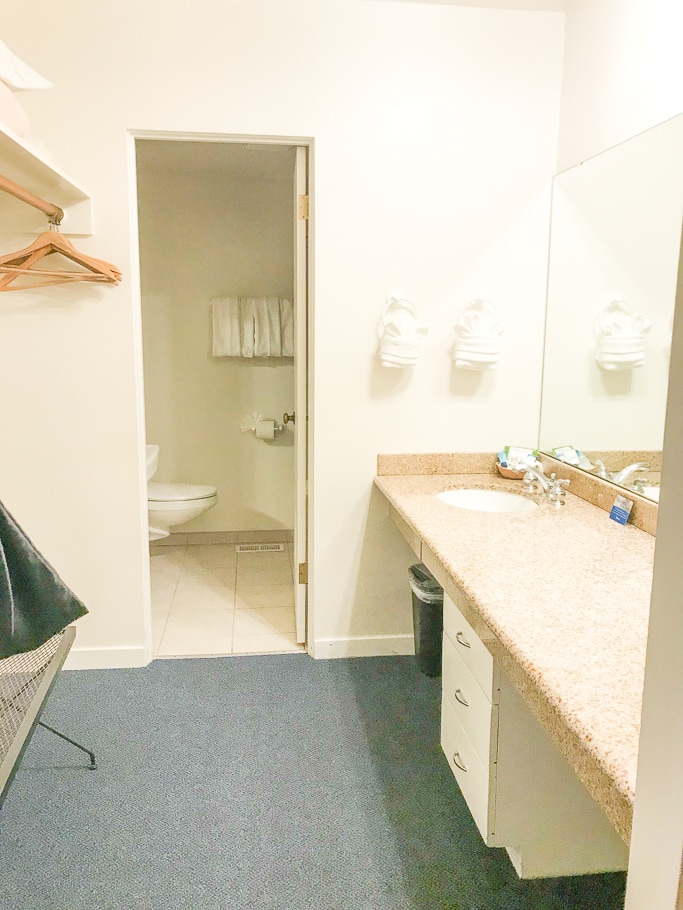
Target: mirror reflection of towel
35, 603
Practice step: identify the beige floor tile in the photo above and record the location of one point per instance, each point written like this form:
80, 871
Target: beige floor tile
173, 540
168, 552
202, 538
158, 626
262, 536
266, 621
166, 565
279, 557
162, 591
209, 633
259, 575
202, 600
255, 597
206, 577
265, 644
217, 554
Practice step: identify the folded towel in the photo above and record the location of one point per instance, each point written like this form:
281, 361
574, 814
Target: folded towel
225, 318
261, 333
274, 326
400, 334
621, 337
287, 327
395, 350
478, 331
247, 319
267, 342
252, 327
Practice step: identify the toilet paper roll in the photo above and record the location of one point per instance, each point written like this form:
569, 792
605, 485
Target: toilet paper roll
265, 429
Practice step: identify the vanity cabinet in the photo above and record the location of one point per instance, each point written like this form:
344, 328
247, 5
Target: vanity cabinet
522, 793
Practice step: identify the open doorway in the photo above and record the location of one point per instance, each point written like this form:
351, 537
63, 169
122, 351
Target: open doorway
222, 243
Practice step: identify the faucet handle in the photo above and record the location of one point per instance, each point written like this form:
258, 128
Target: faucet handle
556, 490
531, 484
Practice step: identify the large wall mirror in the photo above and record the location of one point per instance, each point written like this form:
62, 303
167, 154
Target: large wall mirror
615, 240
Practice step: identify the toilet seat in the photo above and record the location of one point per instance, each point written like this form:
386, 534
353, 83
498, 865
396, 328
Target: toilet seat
164, 495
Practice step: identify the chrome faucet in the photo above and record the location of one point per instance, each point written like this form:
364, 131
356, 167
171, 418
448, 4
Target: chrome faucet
600, 470
623, 475
535, 476
553, 487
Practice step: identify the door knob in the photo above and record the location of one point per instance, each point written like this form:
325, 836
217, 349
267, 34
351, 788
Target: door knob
289, 418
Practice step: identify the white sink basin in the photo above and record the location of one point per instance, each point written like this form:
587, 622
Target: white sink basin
487, 500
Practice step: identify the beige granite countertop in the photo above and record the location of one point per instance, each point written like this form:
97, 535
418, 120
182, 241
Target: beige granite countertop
565, 594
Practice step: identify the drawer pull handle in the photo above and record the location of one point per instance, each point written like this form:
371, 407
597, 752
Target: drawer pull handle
461, 698
461, 640
457, 760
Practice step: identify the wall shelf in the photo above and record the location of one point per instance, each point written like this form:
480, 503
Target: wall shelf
25, 166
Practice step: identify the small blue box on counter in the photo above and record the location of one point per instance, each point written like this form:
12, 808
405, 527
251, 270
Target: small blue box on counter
621, 510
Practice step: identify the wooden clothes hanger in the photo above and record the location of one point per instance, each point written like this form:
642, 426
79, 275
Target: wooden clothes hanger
22, 264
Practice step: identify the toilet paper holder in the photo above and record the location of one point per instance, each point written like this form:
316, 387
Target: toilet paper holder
277, 428
253, 419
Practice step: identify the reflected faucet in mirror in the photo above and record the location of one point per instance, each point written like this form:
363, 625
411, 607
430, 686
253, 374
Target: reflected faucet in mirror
621, 476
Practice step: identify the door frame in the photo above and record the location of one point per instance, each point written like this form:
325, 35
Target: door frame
307, 143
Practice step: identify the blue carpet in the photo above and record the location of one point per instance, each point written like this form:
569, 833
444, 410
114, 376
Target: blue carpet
272, 783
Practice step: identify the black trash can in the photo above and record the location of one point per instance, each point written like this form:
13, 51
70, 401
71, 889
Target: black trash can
427, 619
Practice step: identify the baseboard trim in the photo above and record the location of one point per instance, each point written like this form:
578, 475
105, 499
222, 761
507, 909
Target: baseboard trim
106, 658
363, 646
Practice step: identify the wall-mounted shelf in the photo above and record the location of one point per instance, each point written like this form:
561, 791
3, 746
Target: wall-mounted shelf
25, 166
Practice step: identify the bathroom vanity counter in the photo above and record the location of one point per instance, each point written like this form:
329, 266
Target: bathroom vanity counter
560, 597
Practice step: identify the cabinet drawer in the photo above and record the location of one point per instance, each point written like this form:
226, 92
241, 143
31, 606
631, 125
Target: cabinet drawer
472, 777
478, 717
471, 648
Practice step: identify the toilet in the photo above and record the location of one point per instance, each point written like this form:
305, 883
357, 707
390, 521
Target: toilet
171, 504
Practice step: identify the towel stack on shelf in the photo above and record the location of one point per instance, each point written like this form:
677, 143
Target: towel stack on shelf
252, 327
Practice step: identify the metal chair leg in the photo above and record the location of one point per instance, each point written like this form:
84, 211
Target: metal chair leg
93, 763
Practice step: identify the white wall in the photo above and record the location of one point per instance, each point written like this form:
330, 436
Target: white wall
216, 221
435, 136
623, 72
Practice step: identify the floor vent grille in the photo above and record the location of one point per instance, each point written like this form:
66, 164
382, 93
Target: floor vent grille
260, 547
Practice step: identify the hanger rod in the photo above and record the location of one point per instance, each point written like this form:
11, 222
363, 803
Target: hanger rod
53, 212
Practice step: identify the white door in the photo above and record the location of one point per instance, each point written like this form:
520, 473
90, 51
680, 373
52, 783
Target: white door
300, 389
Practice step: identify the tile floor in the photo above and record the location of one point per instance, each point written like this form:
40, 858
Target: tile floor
207, 599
